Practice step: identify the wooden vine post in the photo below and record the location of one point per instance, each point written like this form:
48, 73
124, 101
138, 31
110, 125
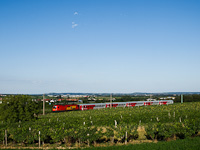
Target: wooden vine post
6, 137
39, 138
126, 137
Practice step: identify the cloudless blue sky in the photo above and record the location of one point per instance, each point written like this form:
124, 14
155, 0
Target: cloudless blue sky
119, 46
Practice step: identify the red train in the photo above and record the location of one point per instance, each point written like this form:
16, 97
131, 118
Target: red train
59, 108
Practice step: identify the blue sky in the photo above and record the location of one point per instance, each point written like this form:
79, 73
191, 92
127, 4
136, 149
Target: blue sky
116, 46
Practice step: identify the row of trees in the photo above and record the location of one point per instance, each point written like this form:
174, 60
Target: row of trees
130, 98
188, 98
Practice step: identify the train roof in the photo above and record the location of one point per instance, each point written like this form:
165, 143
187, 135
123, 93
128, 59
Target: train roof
124, 102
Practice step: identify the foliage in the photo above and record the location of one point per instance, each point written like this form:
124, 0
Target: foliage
85, 100
188, 98
18, 108
187, 144
93, 126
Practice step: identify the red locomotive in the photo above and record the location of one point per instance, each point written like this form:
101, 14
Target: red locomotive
57, 108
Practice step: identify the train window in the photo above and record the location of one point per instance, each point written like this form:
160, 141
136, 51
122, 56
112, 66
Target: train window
54, 107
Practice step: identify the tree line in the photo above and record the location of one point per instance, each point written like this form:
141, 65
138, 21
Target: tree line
188, 98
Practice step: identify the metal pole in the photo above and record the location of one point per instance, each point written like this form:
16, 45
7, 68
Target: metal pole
110, 100
43, 105
181, 99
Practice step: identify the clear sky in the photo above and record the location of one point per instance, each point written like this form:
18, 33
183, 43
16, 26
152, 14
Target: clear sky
116, 46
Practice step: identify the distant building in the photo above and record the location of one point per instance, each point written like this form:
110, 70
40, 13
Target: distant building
50, 95
52, 101
46, 100
151, 99
74, 96
167, 98
80, 101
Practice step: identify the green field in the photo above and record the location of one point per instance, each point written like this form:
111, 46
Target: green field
105, 127
185, 144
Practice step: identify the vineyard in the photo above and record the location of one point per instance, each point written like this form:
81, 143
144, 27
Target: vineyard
115, 125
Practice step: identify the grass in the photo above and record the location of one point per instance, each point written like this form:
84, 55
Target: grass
186, 144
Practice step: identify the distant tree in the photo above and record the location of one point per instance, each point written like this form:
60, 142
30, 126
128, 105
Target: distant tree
85, 100
104, 100
18, 107
126, 98
196, 98
98, 101
138, 98
177, 99
59, 97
